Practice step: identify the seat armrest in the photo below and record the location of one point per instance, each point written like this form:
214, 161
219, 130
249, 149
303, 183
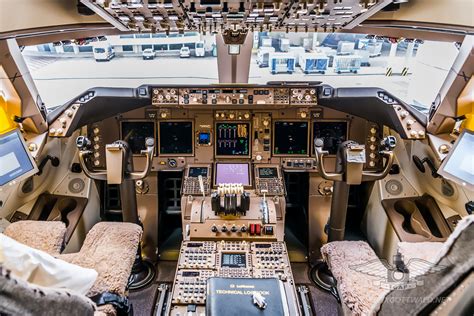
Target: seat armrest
47, 236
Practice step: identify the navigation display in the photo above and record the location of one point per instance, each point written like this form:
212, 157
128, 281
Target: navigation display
176, 138
233, 260
195, 172
135, 133
290, 138
15, 161
232, 139
459, 165
267, 172
332, 133
233, 173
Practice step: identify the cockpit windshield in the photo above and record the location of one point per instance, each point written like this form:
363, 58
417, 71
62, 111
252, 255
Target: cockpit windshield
63, 70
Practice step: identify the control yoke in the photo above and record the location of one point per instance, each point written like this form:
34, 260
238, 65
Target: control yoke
350, 162
120, 171
353, 161
118, 159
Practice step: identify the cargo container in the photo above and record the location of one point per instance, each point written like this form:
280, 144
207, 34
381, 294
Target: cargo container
282, 62
263, 54
313, 63
346, 63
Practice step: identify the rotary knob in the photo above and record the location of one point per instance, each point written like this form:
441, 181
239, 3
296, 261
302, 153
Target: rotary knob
214, 229
224, 229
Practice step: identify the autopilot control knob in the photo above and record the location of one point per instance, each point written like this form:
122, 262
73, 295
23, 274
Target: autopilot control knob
233, 229
83, 142
224, 229
243, 229
214, 229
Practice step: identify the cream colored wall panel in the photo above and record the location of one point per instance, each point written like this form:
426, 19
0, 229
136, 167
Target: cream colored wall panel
26, 14
453, 12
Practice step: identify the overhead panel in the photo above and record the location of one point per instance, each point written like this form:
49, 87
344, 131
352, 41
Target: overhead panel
216, 15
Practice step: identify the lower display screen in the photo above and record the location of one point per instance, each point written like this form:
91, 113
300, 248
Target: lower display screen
290, 138
176, 138
135, 133
332, 133
233, 260
232, 173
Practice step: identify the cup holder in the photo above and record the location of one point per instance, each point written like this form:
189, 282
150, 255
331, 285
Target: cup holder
66, 206
413, 221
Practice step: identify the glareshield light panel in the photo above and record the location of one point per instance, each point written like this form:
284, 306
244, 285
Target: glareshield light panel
15, 160
238, 173
459, 165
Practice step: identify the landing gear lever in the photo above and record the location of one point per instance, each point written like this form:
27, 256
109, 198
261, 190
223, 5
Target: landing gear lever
120, 171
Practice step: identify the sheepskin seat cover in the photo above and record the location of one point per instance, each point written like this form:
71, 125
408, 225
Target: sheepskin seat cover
358, 290
47, 236
109, 248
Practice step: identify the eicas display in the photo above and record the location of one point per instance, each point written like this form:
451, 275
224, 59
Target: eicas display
232, 139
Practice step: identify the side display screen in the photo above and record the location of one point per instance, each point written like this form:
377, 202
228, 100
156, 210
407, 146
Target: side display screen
459, 165
332, 133
267, 173
176, 138
135, 133
232, 139
195, 172
290, 138
15, 160
233, 260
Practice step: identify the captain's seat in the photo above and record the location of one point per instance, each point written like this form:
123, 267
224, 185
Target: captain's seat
109, 249
425, 274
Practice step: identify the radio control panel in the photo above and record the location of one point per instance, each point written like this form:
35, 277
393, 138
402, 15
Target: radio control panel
233, 259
